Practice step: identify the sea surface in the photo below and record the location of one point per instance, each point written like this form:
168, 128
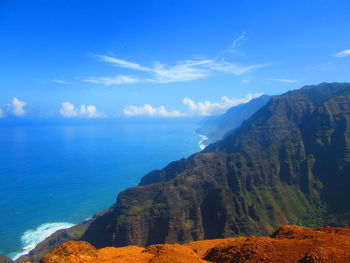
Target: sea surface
55, 174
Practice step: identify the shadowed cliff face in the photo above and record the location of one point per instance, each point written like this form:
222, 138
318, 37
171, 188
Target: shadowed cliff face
289, 163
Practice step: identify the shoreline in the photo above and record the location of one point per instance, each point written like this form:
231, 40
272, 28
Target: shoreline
32, 237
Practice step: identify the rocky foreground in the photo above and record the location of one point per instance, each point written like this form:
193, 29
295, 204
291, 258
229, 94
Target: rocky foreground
287, 244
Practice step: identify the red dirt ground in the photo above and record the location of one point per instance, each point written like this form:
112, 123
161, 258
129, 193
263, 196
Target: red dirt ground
287, 244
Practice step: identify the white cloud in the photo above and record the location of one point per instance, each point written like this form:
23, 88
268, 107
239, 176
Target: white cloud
343, 53
16, 107
149, 110
123, 63
89, 111
236, 43
108, 81
182, 71
68, 110
235, 69
211, 108
2, 114
200, 108
59, 81
285, 80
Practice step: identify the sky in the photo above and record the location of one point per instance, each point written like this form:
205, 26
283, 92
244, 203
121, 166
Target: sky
163, 58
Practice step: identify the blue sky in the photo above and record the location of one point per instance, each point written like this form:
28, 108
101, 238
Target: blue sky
72, 59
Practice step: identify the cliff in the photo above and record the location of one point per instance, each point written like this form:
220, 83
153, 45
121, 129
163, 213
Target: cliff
287, 244
287, 164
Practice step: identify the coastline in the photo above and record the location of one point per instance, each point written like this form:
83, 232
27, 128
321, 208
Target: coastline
100, 147
32, 237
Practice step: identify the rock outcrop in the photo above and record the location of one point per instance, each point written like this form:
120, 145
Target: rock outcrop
287, 244
292, 244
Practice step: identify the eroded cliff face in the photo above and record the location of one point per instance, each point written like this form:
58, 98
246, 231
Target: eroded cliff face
289, 163
288, 244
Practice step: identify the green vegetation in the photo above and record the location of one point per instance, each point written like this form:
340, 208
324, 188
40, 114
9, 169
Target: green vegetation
314, 217
135, 209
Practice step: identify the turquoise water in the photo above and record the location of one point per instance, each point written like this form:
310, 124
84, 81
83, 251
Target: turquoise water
55, 174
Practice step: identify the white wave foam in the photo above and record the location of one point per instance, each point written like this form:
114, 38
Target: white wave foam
33, 237
201, 141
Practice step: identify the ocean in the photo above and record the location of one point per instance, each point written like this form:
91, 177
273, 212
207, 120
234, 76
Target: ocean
55, 174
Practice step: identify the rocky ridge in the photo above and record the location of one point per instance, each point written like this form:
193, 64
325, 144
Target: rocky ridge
288, 244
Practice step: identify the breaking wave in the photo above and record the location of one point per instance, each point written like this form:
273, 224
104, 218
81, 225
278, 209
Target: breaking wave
33, 237
201, 143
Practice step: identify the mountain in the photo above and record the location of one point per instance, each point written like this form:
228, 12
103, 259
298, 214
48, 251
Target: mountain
289, 163
216, 127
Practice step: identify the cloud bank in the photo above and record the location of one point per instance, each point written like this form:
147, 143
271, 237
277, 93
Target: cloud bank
206, 108
149, 110
68, 110
200, 108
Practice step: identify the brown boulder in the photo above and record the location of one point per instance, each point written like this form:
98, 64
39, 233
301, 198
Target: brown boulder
70, 252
